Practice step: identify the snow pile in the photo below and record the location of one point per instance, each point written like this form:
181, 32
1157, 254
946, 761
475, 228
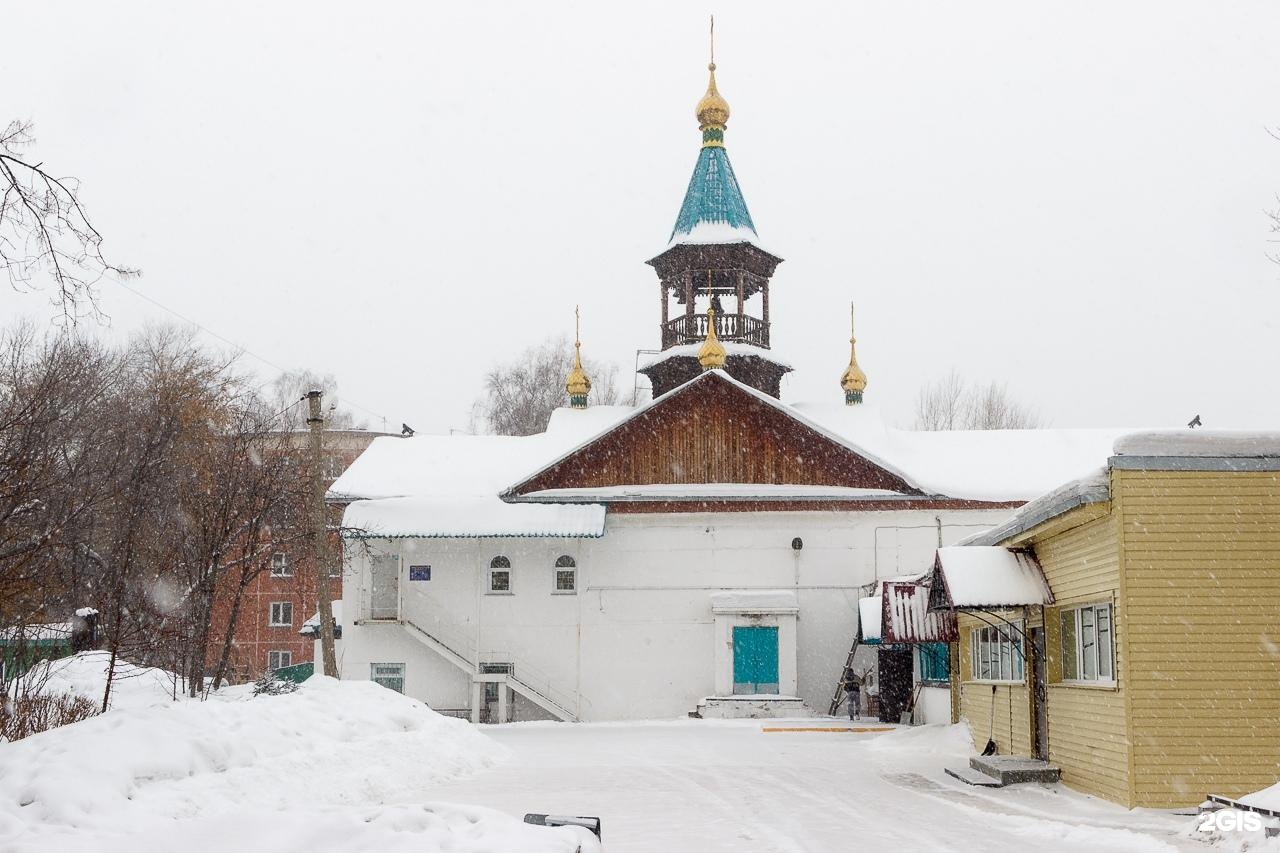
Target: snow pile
317, 764
85, 674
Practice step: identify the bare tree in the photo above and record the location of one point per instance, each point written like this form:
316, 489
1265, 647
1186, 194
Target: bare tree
950, 403
289, 389
520, 395
44, 229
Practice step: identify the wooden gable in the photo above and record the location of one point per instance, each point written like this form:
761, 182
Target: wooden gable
713, 431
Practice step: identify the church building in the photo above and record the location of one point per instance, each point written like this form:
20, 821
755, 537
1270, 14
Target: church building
703, 553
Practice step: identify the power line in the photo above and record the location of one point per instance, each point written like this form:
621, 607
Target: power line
347, 400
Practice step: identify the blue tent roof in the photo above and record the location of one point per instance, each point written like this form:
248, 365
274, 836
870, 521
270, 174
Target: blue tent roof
713, 197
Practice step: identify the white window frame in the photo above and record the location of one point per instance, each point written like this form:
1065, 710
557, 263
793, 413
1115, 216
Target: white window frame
996, 653
494, 569
1091, 650
280, 560
566, 565
380, 673
283, 654
280, 622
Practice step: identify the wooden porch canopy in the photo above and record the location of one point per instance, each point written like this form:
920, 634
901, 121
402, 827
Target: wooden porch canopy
986, 577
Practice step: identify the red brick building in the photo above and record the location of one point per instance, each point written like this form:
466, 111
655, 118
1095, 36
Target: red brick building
280, 598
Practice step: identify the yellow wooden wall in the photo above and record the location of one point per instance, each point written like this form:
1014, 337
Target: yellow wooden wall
1202, 579
1012, 711
1087, 733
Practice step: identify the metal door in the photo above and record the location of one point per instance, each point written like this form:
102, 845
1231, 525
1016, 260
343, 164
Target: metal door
755, 660
384, 587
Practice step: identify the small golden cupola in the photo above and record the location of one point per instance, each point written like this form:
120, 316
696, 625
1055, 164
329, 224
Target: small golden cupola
713, 109
577, 384
854, 380
712, 355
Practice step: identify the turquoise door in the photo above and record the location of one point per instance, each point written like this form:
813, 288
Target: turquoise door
755, 660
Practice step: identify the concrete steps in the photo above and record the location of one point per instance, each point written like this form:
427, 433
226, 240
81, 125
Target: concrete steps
759, 707
996, 771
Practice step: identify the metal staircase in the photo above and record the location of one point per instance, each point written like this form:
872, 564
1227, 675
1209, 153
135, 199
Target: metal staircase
539, 697
839, 694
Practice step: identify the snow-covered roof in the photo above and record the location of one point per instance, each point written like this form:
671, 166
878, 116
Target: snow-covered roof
1195, 443
1090, 489
869, 612
771, 402
312, 626
732, 348
47, 632
988, 576
987, 465
469, 518
465, 465
991, 465
710, 491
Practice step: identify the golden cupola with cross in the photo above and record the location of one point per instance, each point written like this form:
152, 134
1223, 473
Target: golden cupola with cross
854, 379
713, 275
577, 384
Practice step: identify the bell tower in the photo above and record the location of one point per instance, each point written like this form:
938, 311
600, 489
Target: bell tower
713, 270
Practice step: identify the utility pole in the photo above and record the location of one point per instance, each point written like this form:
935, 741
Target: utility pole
320, 535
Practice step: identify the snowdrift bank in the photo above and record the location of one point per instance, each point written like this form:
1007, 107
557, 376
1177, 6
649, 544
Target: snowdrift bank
85, 674
318, 764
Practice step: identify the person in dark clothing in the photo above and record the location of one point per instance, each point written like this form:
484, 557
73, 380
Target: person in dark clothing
853, 690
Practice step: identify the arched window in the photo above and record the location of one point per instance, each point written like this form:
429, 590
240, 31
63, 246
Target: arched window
566, 576
500, 576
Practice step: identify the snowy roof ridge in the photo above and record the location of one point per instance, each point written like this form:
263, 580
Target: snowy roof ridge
708, 375
730, 347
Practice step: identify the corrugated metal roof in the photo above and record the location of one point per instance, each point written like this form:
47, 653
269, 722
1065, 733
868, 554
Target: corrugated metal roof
906, 618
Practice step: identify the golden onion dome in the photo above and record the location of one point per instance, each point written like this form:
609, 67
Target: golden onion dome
854, 379
713, 109
577, 383
712, 355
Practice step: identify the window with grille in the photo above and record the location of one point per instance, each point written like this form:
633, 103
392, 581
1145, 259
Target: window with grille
566, 575
389, 675
279, 660
1088, 647
280, 567
997, 652
500, 576
281, 613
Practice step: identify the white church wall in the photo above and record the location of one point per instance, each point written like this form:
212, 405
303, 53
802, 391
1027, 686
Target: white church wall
638, 639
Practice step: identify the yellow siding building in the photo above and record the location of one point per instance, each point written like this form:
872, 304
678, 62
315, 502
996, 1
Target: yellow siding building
1160, 669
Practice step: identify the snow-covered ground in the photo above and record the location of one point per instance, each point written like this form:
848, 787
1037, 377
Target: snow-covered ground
332, 767
352, 766
707, 786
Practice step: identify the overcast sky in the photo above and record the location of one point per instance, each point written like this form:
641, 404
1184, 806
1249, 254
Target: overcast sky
1067, 197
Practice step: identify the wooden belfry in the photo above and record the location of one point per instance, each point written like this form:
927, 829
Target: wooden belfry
713, 258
